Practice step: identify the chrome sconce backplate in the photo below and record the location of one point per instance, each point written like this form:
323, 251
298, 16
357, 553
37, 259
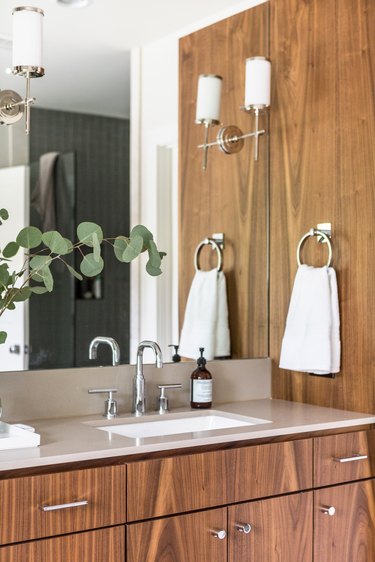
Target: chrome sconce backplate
11, 107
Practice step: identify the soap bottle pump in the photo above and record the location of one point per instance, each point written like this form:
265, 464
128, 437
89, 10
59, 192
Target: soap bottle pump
201, 385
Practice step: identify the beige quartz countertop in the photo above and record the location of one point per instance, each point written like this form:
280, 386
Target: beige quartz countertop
67, 440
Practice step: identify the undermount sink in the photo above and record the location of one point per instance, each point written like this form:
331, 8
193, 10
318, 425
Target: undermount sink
192, 422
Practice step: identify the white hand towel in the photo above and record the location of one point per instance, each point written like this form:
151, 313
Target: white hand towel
206, 317
311, 340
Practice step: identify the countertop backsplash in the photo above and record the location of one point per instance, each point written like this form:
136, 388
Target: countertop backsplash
63, 393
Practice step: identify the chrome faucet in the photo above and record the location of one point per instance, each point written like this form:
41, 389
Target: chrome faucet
139, 379
112, 344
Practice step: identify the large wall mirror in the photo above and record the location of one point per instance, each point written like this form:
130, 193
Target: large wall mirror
80, 129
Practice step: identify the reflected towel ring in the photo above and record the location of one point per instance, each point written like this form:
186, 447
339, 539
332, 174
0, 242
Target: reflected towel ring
215, 246
315, 232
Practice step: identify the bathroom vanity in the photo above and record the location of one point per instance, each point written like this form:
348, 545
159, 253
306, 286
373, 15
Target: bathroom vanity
299, 488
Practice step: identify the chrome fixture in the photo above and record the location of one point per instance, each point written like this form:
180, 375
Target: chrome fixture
27, 62
112, 344
243, 528
230, 138
323, 232
354, 458
110, 408
217, 242
139, 379
219, 534
329, 510
163, 399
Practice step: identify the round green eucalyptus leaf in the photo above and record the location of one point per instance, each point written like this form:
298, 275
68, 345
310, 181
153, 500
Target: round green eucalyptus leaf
120, 246
86, 231
96, 247
74, 272
29, 237
151, 270
153, 254
38, 289
133, 248
140, 230
55, 242
90, 267
47, 278
3, 337
4, 275
11, 249
69, 245
20, 295
38, 262
4, 215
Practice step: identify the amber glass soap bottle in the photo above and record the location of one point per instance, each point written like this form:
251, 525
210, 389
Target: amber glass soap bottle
201, 385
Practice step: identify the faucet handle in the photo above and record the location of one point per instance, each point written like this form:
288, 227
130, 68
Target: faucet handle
163, 399
110, 409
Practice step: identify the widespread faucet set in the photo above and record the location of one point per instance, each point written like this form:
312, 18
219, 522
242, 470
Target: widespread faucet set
139, 398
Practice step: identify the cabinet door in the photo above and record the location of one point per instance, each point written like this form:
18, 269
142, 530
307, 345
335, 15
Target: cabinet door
272, 530
34, 507
183, 538
92, 546
348, 534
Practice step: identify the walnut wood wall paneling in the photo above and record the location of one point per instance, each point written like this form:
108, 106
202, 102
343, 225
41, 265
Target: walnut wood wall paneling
323, 169
232, 195
93, 546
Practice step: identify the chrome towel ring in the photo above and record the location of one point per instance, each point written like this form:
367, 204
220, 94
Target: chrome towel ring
215, 246
315, 232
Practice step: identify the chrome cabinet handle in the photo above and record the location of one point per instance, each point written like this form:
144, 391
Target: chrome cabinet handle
329, 510
243, 528
219, 534
63, 505
355, 457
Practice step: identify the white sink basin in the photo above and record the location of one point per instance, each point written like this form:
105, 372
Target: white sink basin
194, 422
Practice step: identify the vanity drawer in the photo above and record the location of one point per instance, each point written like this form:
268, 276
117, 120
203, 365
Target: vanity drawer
190, 482
344, 457
53, 504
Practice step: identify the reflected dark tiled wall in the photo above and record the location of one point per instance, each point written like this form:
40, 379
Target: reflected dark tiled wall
101, 148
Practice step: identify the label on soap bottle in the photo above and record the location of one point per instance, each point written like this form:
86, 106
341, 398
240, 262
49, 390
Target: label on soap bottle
201, 390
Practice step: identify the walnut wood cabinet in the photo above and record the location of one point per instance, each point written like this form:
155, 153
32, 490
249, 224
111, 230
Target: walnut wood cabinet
311, 500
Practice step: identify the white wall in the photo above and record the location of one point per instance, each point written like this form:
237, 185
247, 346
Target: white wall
154, 123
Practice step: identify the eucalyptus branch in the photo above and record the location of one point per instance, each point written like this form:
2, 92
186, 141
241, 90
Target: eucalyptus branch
50, 246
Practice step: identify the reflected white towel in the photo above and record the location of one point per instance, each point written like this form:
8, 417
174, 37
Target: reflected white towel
312, 334
206, 317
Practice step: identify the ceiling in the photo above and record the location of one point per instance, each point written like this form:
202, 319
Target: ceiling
87, 50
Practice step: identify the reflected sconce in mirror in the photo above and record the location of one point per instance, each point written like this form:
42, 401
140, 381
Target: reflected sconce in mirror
27, 62
230, 138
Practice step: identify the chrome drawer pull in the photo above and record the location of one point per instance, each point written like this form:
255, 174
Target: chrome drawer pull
356, 457
63, 505
243, 528
329, 510
219, 534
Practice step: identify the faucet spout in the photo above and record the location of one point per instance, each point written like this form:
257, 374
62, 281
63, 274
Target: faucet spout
139, 379
93, 349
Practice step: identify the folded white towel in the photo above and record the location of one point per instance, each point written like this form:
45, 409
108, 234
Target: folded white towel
311, 340
206, 317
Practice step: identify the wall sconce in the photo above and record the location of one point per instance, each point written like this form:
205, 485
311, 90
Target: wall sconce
27, 62
230, 139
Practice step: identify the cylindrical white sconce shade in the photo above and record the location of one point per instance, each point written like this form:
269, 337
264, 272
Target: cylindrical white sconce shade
208, 98
27, 41
258, 82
